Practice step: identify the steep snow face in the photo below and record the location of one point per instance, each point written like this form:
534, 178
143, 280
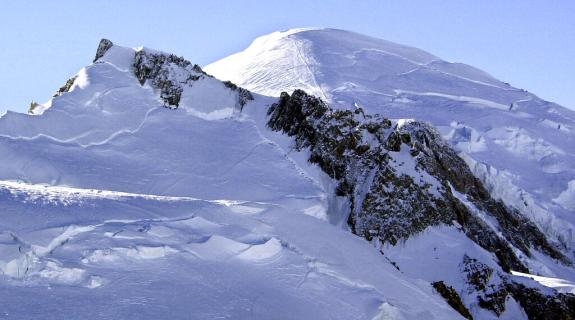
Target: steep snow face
275, 53
115, 202
523, 148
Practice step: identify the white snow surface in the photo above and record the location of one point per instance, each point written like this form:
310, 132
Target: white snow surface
522, 147
114, 207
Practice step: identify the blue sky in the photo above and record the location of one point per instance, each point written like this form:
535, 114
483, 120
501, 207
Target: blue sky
527, 43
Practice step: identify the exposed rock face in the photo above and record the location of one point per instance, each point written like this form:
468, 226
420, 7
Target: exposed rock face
159, 69
401, 178
243, 95
478, 274
540, 305
363, 153
156, 67
441, 161
452, 297
493, 290
66, 87
33, 106
103, 47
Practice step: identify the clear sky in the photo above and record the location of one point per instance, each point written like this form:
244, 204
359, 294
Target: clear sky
530, 44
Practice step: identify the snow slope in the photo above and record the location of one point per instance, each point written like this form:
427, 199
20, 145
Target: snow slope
522, 147
103, 254
113, 206
147, 188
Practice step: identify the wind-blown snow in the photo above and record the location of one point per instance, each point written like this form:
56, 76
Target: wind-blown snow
567, 198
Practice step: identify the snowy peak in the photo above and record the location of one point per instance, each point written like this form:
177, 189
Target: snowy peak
177, 82
521, 147
129, 173
312, 56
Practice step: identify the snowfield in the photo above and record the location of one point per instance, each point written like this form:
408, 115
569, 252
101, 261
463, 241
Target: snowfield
114, 207
148, 189
104, 254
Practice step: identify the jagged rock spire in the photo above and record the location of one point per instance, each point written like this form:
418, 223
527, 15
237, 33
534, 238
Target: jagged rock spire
103, 47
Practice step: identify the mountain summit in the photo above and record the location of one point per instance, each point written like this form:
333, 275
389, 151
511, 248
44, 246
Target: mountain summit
148, 188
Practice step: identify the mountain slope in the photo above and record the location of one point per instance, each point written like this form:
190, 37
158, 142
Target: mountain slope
398, 180
521, 147
153, 188
103, 254
142, 191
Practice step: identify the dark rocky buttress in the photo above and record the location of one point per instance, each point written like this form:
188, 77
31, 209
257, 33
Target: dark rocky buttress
103, 47
363, 154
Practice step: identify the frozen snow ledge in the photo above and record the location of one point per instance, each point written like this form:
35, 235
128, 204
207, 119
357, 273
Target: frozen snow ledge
65, 195
560, 285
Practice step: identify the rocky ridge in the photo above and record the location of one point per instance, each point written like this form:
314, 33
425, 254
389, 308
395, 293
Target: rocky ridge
401, 177
158, 68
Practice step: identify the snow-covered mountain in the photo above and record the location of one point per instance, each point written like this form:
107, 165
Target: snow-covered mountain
147, 188
521, 147
114, 206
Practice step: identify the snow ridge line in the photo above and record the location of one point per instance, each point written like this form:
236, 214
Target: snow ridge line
74, 141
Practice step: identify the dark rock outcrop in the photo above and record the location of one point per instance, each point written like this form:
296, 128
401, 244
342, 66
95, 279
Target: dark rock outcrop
33, 106
363, 154
401, 178
103, 47
158, 69
243, 95
539, 304
452, 298
478, 274
537, 301
66, 87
